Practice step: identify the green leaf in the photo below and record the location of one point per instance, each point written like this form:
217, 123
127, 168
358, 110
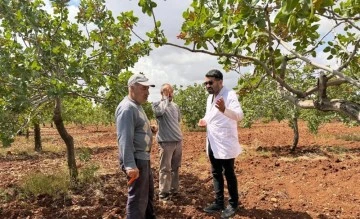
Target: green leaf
56, 50
35, 66
313, 53
210, 33
158, 24
327, 49
289, 6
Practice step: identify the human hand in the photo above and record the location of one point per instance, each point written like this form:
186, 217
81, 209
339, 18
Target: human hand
202, 123
220, 104
133, 173
165, 93
154, 128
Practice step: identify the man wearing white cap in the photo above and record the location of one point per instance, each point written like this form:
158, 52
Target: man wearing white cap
134, 138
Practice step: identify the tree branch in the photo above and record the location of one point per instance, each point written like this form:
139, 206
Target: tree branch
354, 52
317, 44
323, 67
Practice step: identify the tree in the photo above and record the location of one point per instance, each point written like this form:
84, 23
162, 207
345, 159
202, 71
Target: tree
37, 137
261, 101
77, 110
269, 35
192, 103
46, 57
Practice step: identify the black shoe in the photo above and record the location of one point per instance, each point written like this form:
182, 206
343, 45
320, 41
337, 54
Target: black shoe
174, 194
228, 212
164, 196
214, 207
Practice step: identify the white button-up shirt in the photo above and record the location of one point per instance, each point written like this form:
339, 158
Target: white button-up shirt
221, 128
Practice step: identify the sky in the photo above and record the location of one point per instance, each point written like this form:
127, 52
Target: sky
167, 64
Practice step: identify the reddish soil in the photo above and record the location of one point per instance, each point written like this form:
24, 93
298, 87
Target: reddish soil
319, 180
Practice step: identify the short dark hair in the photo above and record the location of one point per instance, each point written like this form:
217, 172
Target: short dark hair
214, 73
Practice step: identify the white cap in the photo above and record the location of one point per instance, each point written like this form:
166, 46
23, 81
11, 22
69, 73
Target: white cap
141, 79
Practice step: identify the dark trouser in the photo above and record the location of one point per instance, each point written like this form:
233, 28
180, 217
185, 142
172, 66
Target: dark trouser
141, 193
217, 167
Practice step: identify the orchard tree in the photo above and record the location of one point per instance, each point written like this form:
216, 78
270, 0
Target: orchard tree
77, 110
322, 36
261, 101
117, 90
46, 56
191, 101
101, 116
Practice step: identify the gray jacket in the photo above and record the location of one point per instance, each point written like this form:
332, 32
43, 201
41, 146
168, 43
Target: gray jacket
168, 118
134, 134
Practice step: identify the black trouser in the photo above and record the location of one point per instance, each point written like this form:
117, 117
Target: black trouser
141, 193
217, 168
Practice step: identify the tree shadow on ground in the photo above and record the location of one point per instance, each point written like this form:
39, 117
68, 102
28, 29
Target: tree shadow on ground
25, 156
285, 151
272, 214
53, 155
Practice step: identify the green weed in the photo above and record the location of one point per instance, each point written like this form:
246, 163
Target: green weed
4, 196
50, 184
349, 137
87, 175
337, 150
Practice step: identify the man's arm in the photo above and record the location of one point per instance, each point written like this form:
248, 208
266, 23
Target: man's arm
125, 132
233, 110
160, 107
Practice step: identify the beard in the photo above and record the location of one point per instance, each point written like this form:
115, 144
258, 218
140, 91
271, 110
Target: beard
210, 90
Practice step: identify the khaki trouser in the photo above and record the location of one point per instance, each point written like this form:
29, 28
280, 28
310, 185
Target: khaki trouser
170, 162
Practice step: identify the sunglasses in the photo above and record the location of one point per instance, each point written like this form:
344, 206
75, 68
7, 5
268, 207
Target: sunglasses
208, 83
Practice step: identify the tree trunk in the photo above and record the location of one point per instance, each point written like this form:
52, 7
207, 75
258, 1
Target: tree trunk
27, 133
350, 109
37, 137
68, 139
295, 127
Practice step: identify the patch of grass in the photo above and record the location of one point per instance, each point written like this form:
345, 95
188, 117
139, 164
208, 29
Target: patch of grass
50, 184
87, 175
337, 150
203, 159
23, 150
349, 137
263, 153
84, 154
26, 147
4, 196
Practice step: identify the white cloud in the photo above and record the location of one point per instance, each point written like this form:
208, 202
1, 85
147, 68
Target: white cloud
165, 64
168, 64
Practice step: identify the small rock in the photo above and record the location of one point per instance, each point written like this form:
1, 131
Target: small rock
193, 201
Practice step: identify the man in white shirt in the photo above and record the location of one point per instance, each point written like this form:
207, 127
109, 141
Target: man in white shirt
223, 111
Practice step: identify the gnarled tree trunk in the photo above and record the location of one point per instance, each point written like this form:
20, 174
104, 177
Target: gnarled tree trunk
68, 139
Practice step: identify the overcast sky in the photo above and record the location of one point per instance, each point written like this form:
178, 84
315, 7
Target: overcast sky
167, 64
